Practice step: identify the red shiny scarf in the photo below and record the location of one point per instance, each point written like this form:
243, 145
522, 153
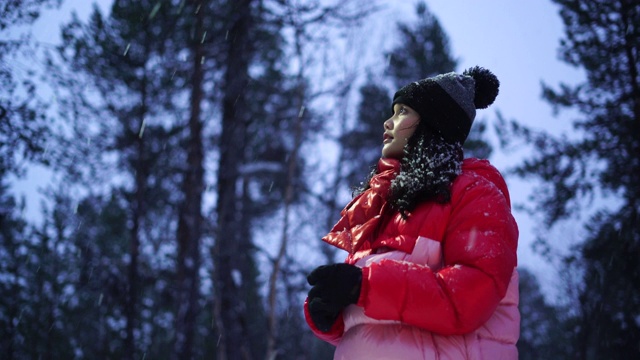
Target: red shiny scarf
361, 217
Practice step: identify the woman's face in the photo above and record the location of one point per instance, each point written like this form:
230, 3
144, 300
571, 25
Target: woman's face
398, 129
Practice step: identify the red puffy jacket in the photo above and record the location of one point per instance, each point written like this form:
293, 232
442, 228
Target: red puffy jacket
441, 283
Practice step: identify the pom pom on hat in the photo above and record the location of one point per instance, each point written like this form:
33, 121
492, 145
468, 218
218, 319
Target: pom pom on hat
486, 88
448, 102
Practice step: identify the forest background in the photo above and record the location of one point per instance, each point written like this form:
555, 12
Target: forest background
138, 246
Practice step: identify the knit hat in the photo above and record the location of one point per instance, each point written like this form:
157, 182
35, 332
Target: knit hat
448, 102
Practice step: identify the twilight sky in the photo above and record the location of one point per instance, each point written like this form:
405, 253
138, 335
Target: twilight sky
517, 40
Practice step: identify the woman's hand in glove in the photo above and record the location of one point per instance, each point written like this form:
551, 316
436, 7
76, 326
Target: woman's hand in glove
334, 287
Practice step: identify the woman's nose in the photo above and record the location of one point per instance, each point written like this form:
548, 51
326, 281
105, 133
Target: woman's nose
388, 125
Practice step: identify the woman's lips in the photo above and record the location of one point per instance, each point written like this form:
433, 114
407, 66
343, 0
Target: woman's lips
386, 138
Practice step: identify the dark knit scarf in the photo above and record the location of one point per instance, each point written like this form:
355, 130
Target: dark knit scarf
362, 216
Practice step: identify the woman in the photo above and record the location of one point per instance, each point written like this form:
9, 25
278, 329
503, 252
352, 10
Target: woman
431, 265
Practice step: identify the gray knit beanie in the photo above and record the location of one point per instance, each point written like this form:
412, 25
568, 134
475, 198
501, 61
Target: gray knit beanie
448, 102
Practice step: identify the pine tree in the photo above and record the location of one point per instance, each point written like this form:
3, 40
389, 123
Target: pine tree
542, 336
161, 54
603, 39
95, 231
364, 142
131, 60
423, 51
23, 123
23, 133
134, 142
13, 279
257, 150
190, 220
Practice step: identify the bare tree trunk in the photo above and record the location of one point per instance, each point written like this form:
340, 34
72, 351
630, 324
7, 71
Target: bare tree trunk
132, 285
272, 351
329, 252
137, 206
232, 342
299, 26
190, 217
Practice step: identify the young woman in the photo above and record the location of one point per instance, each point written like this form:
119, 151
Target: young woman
431, 266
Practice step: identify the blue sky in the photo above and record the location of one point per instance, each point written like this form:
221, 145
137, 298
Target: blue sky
518, 41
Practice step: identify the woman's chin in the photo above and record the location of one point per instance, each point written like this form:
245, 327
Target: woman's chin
386, 155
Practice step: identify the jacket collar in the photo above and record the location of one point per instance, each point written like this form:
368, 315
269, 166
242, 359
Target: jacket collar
361, 217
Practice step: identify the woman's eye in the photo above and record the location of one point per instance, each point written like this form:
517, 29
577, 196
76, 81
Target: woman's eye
402, 111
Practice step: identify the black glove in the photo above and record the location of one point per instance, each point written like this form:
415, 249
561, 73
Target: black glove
333, 288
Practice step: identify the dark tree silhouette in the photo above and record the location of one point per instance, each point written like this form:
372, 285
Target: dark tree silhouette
602, 38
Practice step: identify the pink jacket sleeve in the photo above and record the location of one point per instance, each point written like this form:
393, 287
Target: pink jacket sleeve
479, 253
